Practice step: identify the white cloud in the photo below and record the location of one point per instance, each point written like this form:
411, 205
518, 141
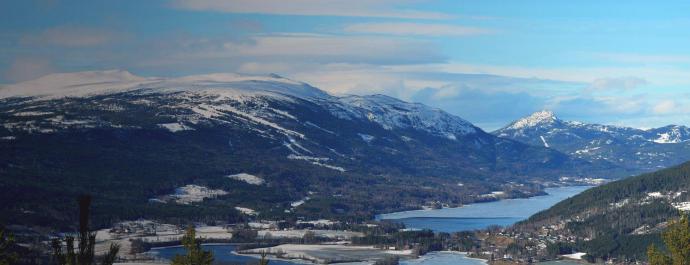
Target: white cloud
349, 8
411, 29
664, 107
617, 83
71, 36
660, 76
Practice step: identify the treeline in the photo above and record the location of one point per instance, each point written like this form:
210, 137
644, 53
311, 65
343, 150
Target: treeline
619, 219
421, 242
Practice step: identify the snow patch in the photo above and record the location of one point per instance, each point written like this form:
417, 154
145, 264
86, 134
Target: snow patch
544, 141
252, 118
175, 127
316, 161
250, 179
320, 222
683, 206
655, 194
32, 113
300, 202
365, 137
318, 127
246, 211
577, 255
194, 193
540, 117
665, 138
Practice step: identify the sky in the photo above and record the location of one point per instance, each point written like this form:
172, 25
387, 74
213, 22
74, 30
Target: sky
491, 62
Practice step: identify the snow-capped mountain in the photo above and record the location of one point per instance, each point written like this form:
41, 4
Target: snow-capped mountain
392, 113
635, 149
113, 133
671, 134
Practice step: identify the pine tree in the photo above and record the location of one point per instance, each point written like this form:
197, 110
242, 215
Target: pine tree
195, 255
85, 255
656, 257
677, 240
263, 260
7, 257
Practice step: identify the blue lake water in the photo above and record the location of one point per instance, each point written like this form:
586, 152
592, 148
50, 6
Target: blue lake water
482, 215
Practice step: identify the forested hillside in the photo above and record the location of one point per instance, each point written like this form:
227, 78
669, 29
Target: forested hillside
620, 219
230, 147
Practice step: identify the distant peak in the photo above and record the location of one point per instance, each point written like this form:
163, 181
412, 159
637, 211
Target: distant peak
274, 75
544, 115
537, 118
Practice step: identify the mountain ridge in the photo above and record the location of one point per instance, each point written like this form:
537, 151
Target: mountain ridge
637, 150
350, 156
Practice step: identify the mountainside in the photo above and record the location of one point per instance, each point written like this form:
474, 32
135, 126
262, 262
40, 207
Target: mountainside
619, 219
227, 146
634, 149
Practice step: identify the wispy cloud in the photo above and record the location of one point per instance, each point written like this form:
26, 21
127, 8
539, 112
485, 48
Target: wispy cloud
314, 48
415, 29
643, 58
71, 36
617, 83
350, 8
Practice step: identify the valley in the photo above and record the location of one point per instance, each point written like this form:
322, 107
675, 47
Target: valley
280, 164
349, 132
164, 146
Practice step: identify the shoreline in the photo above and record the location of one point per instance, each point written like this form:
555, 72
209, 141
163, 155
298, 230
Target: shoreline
272, 256
381, 217
465, 255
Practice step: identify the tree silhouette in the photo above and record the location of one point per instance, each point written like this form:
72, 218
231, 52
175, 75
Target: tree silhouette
7, 257
85, 255
195, 255
263, 260
677, 240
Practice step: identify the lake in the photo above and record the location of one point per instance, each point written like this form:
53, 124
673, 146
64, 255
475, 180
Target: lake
469, 217
482, 215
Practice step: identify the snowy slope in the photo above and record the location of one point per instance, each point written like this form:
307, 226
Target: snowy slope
388, 112
302, 124
134, 139
392, 113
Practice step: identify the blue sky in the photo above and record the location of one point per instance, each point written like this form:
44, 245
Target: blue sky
490, 62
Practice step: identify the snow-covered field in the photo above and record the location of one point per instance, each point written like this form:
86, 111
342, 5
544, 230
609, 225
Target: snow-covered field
330, 253
577, 255
175, 127
194, 193
333, 234
246, 211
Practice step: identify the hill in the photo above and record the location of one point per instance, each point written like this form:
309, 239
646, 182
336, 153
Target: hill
232, 147
619, 219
